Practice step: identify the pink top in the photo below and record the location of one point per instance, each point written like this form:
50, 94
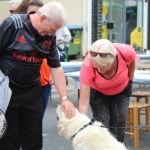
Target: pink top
90, 76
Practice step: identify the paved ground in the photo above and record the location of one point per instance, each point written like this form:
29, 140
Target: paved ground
51, 139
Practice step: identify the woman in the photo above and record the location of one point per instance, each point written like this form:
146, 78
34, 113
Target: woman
106, 84
28, 6
31, 6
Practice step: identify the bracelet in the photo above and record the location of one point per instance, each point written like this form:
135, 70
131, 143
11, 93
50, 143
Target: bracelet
65, 97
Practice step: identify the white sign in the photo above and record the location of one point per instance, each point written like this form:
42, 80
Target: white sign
130, 3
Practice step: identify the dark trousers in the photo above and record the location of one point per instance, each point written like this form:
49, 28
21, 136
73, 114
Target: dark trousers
24, 119
111, 110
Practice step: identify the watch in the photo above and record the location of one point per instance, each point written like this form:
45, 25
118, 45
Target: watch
65, 97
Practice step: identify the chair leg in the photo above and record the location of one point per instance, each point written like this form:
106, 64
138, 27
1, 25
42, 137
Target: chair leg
131, 120
148, 117
136, 130
139, 119
128, 117
147, 110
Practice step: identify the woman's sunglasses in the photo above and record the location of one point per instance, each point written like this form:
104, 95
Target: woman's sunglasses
102, 55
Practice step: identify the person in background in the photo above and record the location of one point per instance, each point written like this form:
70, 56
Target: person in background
46, 80
63, 38
28, 6
13, 4
32, 39
63, 41
106, 84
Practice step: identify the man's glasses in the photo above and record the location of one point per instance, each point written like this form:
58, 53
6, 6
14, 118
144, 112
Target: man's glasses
11, 11
102, 55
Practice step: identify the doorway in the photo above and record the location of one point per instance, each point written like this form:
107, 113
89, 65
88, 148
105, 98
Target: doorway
122, 22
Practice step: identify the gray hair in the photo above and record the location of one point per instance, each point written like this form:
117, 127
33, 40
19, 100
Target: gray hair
15, 2
103, 46
55, 12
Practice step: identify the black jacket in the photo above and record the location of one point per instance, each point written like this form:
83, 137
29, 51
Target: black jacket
22, 50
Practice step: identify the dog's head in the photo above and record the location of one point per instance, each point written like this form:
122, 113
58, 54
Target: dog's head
68, 127
59, 112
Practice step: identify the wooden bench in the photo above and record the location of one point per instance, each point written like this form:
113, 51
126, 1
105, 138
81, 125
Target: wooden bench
132, 120
139, 95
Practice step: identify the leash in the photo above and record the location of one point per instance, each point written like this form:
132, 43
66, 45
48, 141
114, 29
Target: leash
122, 127
126, 127
102, 126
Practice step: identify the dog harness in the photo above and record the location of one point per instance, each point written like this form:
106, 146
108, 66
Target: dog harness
90, 123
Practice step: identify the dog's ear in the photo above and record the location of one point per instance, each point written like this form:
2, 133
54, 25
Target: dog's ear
59, 131
61, 128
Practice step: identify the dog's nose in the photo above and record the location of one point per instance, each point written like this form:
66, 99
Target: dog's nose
58, 118
56, 105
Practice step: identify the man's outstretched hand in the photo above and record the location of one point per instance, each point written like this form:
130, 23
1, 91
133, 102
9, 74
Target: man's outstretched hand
68, 108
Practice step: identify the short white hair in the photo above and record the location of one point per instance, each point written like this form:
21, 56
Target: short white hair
103, 46
55, 12
15, 2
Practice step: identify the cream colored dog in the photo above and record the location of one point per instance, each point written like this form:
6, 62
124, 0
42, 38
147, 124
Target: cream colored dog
85, 136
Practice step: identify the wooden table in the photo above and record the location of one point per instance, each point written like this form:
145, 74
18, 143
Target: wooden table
144, 67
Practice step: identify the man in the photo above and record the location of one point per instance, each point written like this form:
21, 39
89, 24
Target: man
25, 40
13, 4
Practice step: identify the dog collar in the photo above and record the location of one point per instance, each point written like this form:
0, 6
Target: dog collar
90, 123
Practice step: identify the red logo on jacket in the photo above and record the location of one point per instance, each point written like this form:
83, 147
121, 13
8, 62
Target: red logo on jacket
32, 53
46, 45
22, 39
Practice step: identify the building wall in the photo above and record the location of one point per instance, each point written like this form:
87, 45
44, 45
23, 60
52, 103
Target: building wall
74, 10
4, 10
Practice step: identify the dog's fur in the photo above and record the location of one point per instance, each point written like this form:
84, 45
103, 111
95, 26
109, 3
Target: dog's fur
92, 137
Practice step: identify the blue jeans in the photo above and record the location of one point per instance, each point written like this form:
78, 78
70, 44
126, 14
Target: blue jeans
45, 96
63, 54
